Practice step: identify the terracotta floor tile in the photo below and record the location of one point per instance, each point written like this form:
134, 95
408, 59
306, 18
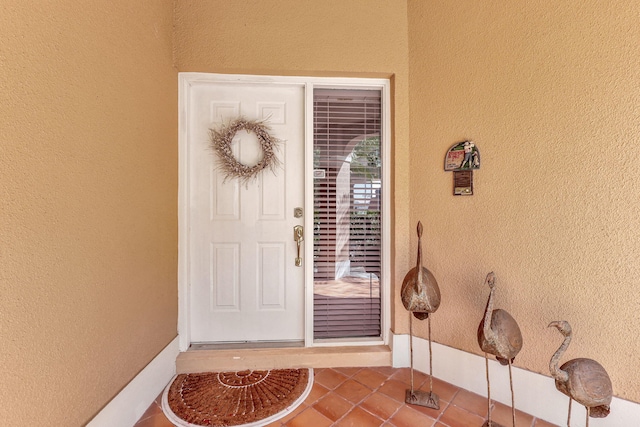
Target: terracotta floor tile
333, 406
394, 389
293, 414
158, 400
455, 416
543, 423
152, 411
371, 378
353, 391
310, 418
404, 375
378, 394
385, 370
409, 417
158, 420
433, 413
360, 418
330, 378
381, 405
444, 390
502, 415
317, 391
471, 402
348, 371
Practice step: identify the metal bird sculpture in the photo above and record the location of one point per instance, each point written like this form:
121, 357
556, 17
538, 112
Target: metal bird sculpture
421, 296
499, 335
583, 380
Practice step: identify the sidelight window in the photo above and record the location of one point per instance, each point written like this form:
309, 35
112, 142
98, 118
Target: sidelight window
347, 142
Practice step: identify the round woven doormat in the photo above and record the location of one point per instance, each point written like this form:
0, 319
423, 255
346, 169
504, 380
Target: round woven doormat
244, 398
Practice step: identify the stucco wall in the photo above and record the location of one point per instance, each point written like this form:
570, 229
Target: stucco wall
88, 174
549, 93
89, 178
329, 38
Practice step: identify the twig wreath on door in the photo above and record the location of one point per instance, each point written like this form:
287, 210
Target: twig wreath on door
231, 167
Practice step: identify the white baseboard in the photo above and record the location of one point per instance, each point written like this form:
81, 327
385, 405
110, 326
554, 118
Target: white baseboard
535, 394
129, 405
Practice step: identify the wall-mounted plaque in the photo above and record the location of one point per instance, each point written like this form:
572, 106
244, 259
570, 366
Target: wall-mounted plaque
462, 156
463, 183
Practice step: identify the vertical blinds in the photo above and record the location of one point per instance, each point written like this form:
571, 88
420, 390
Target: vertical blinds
347, 193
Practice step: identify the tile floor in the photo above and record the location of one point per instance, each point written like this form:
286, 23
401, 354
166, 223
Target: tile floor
364, 397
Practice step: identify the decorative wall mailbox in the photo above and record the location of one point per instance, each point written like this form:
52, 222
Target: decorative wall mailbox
462, 158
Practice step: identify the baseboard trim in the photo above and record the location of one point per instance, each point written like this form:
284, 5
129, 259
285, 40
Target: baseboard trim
535, 394
130, 404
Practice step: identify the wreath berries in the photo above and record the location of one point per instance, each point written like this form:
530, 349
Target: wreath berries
222, 138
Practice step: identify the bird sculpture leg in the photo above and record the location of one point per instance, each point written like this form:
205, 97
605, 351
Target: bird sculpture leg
588, 412
411, 351
420, 397
569, 416
489, 422
411, 396
513, 401
433, 398
486, 363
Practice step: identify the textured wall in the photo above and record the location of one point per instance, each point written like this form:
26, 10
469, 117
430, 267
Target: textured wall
550, 94
88, 175
289, 37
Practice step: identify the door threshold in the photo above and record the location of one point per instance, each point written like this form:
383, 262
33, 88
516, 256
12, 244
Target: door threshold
217, 360
244, 345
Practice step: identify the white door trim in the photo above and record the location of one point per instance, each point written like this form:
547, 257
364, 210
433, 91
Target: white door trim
185, 80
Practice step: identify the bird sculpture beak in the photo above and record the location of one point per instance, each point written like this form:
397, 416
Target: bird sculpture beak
555, 324
491, 280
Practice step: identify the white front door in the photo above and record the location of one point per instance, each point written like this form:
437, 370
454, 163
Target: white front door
243, 281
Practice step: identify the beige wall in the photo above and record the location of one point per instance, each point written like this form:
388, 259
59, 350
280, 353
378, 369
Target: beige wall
550, 94
89, 178
88, 174
291, 37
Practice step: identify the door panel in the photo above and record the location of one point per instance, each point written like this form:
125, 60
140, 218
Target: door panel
244, 285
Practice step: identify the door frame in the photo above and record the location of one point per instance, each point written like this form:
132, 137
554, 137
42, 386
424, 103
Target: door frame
185, 81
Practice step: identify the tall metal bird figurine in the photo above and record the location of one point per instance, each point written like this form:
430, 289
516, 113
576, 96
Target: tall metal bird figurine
498, 334
421, 296
583, 380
